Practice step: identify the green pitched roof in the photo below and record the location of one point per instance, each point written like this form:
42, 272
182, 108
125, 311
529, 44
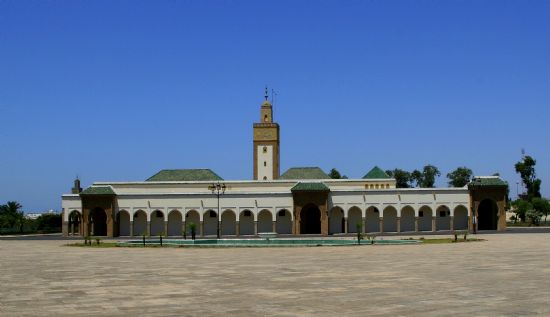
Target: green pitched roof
185, 175
493, 181
304, 173
310, 187
98, 190
376, 173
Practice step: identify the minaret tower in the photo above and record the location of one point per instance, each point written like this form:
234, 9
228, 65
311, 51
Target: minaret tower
266, 144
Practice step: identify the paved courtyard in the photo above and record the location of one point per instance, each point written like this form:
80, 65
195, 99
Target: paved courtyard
507, 275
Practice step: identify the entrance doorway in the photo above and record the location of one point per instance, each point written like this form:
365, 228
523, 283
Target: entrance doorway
310, 220
487, 215
98, 222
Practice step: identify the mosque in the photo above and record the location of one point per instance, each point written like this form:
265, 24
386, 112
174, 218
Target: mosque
302, 200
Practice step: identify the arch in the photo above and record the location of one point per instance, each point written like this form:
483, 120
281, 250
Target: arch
390, 219
310, 219
373, 220
75, 222
157, 223
425, 218
460, 218
123, 217
192, 217
265, 221
336, 219
98, 222
210, 223
175, 221
246, 222
487, 215
443, 218
140, 223
407, 219
355, 218
229, 220
284, 222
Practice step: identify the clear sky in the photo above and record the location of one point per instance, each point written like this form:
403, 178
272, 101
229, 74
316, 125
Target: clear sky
117, 90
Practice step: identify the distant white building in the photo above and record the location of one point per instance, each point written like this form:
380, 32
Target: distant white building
300, 201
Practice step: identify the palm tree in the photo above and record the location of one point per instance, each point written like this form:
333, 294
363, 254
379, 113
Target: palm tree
12, 215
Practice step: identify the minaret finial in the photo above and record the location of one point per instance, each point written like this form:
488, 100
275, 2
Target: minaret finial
266, 93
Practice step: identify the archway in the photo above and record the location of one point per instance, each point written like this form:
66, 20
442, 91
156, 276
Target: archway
157, 223
425, 219
74, 222
487, 215
354, 218
228, 223
140, 223
123, 223
373, 220
192, 217
98, 222
443, 215
461, 218
265, 221
246, 223
407, 219
310, 220
336, 220
174, 223
284, 222
210, 222
390, 219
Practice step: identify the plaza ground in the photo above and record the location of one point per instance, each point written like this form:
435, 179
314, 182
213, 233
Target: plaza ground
507, 275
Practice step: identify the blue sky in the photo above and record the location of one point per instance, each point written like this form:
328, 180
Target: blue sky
117, 90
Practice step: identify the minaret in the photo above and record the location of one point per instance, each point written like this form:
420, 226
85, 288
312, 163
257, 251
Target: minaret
266, 144
76, 189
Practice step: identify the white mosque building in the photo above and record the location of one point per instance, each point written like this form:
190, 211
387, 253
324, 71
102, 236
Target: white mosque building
302, 200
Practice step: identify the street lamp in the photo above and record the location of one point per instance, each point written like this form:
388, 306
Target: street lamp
218, 189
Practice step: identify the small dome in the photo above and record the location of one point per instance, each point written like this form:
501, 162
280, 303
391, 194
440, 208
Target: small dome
266, 103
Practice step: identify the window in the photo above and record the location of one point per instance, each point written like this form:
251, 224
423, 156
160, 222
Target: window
265, 118
212, 214
442, 213
265, 178
247, 213
265, 163
420, 213
281, 213
158, 214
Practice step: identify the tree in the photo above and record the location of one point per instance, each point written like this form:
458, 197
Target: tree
429, 174
542, 205
416, 177
11, 215
460, 177
334, 174
521, 207
526, 170
402, 178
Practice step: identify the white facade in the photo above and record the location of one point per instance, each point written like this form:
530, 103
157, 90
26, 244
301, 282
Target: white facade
265, 162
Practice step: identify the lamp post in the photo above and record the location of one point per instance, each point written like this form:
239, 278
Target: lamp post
218, 189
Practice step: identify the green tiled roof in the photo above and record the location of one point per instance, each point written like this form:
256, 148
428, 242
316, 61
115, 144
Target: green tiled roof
98, 190
376, 172
304, 173
487, 182
310, 187
185, 175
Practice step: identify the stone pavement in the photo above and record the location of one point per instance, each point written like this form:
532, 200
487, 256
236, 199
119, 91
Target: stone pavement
504, 276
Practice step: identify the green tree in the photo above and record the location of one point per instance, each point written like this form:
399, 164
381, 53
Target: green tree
542, 205
521, 207
460, 177
416, 178
526, 170
402, 177
334, 174
49, 222
12, 216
